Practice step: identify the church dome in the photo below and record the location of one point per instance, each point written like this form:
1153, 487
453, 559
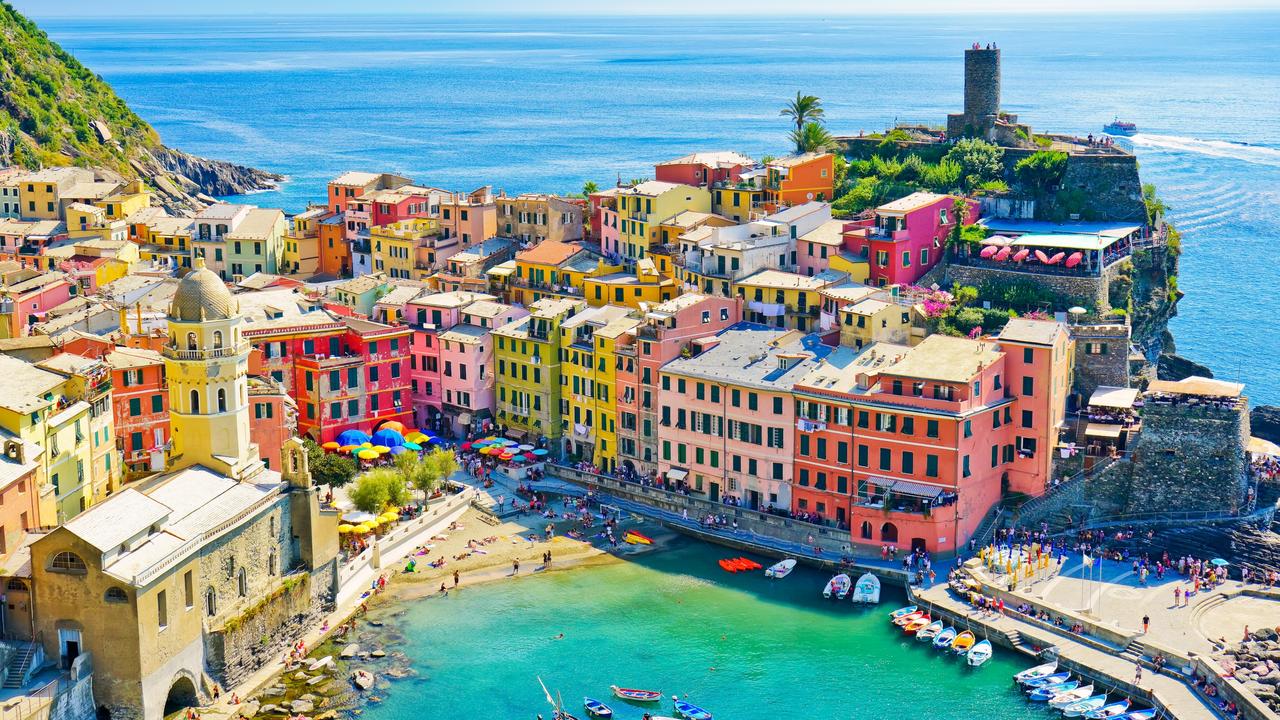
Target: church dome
202, 295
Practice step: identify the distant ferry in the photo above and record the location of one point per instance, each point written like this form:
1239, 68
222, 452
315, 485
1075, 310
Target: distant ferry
1120, 127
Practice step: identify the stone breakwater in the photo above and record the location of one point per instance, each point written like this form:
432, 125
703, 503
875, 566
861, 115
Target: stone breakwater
1255, 663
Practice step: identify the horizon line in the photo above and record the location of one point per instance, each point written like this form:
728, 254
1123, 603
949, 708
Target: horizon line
1022, 12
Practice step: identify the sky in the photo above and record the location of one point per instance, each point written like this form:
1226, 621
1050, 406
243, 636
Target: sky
116, 8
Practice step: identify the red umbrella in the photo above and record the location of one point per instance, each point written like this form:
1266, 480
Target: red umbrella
466, 446
530, 456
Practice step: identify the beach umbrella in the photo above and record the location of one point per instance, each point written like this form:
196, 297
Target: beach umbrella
467, 446
525, 448
519, 458
352, 437
381, 449
1219, 562
411, 446
366, 445
415, 436
344, 529
367, 454
388, 438
363, 528
399, 449
392, 425
346, 449
509, 442
331, 445
529, 456
540, 452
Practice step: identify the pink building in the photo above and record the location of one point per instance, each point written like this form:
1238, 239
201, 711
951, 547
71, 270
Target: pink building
472, 217
26, 295
907, 237
429, 316
703, 169
603, 209
815, 248
466, 363
727, 414
273, 418
668, 329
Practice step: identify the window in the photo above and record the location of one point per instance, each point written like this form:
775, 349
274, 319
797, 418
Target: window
68, 562
211, 602
188, 590
115, 595
964, 467
862, 455
135, 407
242, 583
931, 466
908, 463
931, 428
777, 406
908, 425
162, 609
1028, 386
1026, 418
1028, 355
157, 403
222, 400
886, 459
968, 428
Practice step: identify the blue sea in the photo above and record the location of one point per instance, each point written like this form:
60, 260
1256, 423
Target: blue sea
546, 103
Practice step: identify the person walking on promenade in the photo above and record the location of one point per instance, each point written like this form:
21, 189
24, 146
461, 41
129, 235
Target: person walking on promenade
1146, 623
1137, 676
515, 567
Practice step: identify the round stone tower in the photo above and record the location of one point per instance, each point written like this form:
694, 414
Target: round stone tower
981, 83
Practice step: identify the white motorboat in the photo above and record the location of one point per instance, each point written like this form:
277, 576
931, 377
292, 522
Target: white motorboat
838, 586
1038, 671
1071, 696
779, 570
979, 653
867, 590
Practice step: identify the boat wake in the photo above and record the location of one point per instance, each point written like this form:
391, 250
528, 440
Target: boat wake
1256, 154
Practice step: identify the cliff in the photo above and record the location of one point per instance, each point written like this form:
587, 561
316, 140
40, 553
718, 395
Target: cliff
55, 111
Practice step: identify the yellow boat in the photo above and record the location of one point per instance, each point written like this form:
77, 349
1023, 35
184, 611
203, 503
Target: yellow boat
963, 642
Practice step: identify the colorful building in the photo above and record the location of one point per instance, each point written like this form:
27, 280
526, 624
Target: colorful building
335, 252
429, 315
273, 418
645, 207
467, 364
785, 300
169, 241
26, 296
703, 169
409, 249
468, 269
43, 193
472, 218
588, 373
529, 359
140, 401
727, 414
536, 218
19, 501
741, 201
300, 254
643, 286
799, 179
555, 269
907, 237
89, 381
256, 244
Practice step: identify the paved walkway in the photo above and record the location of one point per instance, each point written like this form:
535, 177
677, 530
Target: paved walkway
1175, 695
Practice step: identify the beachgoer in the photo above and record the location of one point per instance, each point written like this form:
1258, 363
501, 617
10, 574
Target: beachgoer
455, 578
1146, 623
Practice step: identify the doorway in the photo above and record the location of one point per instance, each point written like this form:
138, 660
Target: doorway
715, 492
69, 647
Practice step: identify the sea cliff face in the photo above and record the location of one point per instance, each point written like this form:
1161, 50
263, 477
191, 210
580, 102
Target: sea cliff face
215, 177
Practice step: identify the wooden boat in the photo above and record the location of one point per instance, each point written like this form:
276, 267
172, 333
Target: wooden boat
902, 611
1047, 680
917, 625
780, 569
979, 653
838, 586
1021, 255
944, 638
931, 631
689, 711
636, 695
963, 642
1062, 700
1036, 672
595, 708
906, 619
1114, 710
637, 538
867, 590
1074, 259
1079, 708
1048, 692
563, 715
1140, 715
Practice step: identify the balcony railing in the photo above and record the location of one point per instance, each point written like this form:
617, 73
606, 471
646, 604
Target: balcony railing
206, 354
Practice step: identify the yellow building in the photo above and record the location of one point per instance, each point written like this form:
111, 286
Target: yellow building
301, 254
169, 242
397, 247
528, 362
127, 200
875, 320
783, 299
41, 193
644, 208
588, 359
555, 269
39, 407
740, 201
645, 285
89, 380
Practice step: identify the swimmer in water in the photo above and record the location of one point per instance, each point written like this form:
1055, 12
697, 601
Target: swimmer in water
558, 637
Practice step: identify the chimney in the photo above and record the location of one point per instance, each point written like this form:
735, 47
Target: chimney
14, 451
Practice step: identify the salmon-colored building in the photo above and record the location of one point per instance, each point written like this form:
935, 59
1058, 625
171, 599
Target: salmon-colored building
907, 237
703, 169
273, 418
140, 403
19, 493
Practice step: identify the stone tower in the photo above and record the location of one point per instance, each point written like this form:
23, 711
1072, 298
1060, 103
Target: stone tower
981, 94
207, 367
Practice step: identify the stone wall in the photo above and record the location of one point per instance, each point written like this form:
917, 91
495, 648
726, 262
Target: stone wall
262, 632
1110, 492
1190, 458
1071, 289
1110, 183
1102, 356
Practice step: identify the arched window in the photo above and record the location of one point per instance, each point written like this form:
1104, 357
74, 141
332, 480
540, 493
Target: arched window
889, 532
191, 341
866, 530
68, 562
243, 583
16, 585
217, 339
195, 402
210, 602
222, 400
115, 595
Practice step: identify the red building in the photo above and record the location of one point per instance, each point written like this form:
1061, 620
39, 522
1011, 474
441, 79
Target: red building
273, 418
342, 372
906, 238
703, 169
140, 406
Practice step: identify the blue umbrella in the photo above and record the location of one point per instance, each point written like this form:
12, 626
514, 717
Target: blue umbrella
518, 458
352, 437
1219, 562
397, 449
409, 446
390, 438
540, 452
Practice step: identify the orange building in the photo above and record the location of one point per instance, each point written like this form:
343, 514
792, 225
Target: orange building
335, 254
798, 179
19, 497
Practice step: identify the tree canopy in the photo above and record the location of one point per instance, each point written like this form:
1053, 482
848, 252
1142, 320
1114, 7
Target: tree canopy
980, 162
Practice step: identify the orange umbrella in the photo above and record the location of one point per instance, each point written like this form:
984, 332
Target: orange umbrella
330, 445
392, 425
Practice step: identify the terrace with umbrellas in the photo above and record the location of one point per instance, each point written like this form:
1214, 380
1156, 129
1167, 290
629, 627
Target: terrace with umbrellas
390, 440
1082, 249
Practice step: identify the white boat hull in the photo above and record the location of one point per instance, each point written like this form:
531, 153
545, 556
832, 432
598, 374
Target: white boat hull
867, 590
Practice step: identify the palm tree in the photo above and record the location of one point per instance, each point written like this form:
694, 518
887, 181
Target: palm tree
813, 137
803, 109
589, 187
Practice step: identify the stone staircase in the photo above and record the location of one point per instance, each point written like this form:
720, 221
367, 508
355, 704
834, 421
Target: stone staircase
20, 665
1134, 652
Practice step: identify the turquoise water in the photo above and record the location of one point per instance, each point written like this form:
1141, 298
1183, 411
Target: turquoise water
545, 103
740, 646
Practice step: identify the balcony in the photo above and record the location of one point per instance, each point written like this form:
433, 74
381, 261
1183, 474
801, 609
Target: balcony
174, 353
332, 362
810, 426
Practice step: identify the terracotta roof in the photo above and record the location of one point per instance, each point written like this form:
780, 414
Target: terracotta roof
549, 252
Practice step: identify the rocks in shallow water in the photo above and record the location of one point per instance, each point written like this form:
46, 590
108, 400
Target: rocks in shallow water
249, 710
378, 654
399, 673
349, 651
300, 675
273, 691
302, 706
271, 710
363, 679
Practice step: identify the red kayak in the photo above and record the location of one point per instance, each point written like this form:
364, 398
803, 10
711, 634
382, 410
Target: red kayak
729, 566
636, 695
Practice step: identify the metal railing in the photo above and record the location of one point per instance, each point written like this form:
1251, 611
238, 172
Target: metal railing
141, 577
209, 354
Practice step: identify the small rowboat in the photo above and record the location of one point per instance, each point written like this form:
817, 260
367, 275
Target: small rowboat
689, 711
1140, 715
728, 566
906, 620
979, 653
1062, 700
1047, 680
1048, 692
931, 631
902, 611
944, 638
636, 538
595, 708
963, 642
1090, 704
867, 590
838, 586
917, 625
563, 715
636, 695
781, 569
1114, 710
747, 564
1036, 672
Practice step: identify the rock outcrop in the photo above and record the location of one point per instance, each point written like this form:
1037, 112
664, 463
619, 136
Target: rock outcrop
1264, 420
215, 177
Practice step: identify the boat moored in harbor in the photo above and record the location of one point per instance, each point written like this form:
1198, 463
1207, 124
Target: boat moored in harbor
867, 590
636, 695
780, 569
